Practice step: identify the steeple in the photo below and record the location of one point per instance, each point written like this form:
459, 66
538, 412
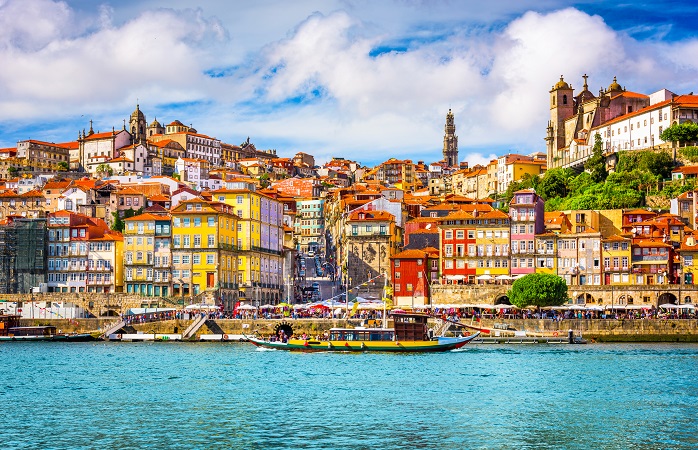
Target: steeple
450, 149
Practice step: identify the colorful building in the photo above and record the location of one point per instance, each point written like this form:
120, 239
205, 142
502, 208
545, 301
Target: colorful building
204, 251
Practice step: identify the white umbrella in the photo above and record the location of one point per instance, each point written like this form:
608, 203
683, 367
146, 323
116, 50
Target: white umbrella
615, 307
577, 307
669, 306
266, 306
300, 306
638, 307
202, 306
484, 306
483, 277
503, 277
503, 306
247, 308
594, 308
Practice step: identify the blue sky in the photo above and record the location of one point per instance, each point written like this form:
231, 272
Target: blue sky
360, 79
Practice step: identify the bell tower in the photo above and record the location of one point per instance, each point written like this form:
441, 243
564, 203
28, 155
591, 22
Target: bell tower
561, 109
137, 125
450, 141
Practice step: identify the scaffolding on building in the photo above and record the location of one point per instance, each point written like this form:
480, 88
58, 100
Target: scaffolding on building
22, 255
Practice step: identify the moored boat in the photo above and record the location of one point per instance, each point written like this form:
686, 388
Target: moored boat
43, 333
410, 334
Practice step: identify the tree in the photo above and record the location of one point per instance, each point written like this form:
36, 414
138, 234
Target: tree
62, 166
105, 169
12, 171
596, 164
118, 223
682, 133
538, 289
554, 183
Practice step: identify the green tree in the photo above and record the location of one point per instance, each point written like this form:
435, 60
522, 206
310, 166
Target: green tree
12, 171
538, 289
554, 183
62, 166
681, 133
596, 164
105, 170
118, 223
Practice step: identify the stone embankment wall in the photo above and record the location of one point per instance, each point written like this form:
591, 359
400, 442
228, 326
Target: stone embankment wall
657, 330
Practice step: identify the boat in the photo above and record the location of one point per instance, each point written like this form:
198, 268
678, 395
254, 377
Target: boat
410, 334
43, 333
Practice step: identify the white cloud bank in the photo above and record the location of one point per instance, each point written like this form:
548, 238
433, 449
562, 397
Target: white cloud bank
319, 89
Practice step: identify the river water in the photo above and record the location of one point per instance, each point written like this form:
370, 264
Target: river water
216, 395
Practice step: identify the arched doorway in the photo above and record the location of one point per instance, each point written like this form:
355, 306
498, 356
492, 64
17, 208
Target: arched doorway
502, 300
667, 297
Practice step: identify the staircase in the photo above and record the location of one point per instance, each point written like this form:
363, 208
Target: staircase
442, 326
114, 328
194, 327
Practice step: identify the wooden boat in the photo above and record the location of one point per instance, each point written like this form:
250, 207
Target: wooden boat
410, 334
43, 333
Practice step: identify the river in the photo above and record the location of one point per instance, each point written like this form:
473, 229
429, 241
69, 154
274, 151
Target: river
214, 395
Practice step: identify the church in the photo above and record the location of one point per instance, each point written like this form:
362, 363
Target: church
625, 120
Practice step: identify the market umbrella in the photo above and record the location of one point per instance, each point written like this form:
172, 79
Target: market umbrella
247, 308
503, 306
669, 306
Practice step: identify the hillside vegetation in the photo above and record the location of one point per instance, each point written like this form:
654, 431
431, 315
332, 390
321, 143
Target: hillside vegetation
637, 175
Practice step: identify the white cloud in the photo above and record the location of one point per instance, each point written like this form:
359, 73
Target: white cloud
305, 80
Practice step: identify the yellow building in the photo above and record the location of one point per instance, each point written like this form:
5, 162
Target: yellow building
204, 252
491, 244
105, 263
689, 261
147, 255
259, 241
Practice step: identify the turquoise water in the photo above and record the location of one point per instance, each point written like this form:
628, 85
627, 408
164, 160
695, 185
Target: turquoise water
176, 395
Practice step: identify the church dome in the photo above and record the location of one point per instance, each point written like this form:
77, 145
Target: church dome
155, 123
561, 84
137, 114
614, 86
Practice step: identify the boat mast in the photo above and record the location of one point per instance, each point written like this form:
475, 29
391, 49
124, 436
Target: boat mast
384, 322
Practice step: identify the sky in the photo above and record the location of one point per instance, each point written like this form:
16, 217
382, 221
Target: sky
361, 79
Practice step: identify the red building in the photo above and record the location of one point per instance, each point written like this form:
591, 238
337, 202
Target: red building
411, 272
457, 232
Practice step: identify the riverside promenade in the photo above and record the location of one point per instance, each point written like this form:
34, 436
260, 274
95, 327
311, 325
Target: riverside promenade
598, 330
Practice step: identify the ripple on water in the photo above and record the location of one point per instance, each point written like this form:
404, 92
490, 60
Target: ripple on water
132, 395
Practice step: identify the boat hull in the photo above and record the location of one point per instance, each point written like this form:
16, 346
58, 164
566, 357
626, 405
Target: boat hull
437, 345
58, 337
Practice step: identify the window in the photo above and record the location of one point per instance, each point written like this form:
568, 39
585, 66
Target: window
397, 263
397, 275
196, 259
448, 234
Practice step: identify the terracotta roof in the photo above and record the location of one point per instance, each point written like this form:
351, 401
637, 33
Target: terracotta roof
108, 134
371, 215
410, 254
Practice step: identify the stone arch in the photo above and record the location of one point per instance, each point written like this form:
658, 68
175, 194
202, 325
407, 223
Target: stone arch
667, 297
624, 300
502, 299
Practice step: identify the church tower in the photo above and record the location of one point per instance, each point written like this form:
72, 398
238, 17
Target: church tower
137, 126
561, 109
450, 141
